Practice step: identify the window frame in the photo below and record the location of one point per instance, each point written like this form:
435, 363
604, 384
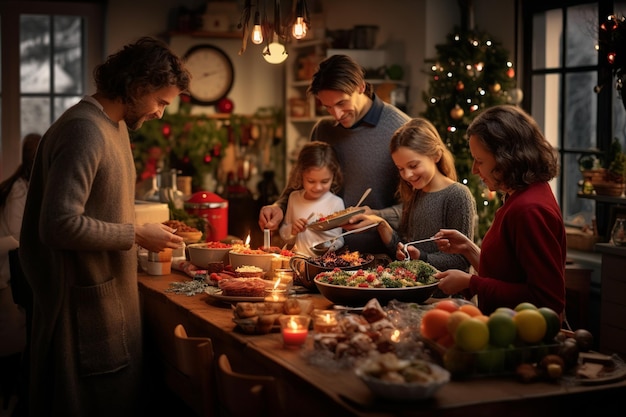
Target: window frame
604, 111
10, 117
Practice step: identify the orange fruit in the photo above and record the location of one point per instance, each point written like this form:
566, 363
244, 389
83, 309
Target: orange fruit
447, 341
471, 335
434, 323
502, 329
447, 304
482, 318
456, 317
531, 325
470, 309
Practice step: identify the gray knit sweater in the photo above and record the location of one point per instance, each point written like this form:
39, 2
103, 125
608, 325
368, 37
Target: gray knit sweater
453, 207
363, 153
76, 241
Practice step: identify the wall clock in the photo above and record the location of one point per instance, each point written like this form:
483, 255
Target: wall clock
212, 74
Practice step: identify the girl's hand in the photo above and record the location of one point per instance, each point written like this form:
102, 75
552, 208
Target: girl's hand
298, 226
414, 253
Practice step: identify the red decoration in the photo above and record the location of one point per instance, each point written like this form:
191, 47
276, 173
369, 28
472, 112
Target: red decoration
611, 57
510, 73
185, 98
167, 130
217, 149
460, 86
225, 105
207, 158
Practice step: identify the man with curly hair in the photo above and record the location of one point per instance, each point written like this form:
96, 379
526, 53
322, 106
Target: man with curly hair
78, 239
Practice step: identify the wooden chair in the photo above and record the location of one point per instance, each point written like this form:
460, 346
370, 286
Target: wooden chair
193, 378
247, 395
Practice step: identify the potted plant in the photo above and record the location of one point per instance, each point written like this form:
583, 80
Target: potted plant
613, 182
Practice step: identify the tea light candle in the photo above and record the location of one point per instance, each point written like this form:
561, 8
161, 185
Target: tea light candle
325, 321
275, 295
295, 330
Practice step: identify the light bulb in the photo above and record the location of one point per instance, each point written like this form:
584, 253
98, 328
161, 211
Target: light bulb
257, 31
276, 54
257, 35
299, 28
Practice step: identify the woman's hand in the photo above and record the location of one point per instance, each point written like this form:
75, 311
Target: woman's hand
453, 281
453, 241
156, 236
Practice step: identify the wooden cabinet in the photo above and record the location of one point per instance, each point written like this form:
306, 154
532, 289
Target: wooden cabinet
613, 299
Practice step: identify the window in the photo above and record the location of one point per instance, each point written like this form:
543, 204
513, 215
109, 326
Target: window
48, 51
563, 92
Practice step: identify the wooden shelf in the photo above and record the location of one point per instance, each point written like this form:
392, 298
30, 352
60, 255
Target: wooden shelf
604, 198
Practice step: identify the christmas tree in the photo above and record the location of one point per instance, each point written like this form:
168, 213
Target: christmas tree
470, 73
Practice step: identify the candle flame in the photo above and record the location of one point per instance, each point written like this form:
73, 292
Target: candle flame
248, 240
277, 283
395, 336
293, 325
327, 318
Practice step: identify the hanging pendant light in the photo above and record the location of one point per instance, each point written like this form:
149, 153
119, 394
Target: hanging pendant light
275, 52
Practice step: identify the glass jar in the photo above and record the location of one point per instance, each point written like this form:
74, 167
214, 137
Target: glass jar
619, 232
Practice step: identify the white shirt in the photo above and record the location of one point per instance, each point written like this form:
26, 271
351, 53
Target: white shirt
298, 207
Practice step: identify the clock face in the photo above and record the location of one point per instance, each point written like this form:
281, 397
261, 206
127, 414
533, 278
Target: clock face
212, 74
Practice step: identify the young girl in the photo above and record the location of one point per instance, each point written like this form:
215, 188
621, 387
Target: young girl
431, 197
315, 178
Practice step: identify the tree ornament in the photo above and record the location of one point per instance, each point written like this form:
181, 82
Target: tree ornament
207, 159
457, 112
510, 73
495, 87
166, 130
225, 105
460, 86
515, 96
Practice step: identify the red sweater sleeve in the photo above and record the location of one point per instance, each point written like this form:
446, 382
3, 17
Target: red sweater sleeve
523, 254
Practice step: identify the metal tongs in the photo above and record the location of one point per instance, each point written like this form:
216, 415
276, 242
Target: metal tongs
405, 246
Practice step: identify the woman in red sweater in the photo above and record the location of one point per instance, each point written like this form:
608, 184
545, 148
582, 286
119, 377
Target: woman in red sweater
522, 256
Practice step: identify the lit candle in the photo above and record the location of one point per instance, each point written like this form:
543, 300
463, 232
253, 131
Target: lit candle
325, 321
295, 330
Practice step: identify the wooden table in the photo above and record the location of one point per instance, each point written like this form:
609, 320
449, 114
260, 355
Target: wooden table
313, 391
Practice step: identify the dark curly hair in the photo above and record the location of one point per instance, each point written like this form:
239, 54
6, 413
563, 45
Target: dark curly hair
140, 68
522, 153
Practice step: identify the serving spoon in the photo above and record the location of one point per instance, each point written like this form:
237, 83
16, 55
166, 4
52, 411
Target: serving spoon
322, 245
363, 197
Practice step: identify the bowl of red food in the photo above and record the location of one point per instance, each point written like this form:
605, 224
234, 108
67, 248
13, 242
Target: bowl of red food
306, 268
205, 253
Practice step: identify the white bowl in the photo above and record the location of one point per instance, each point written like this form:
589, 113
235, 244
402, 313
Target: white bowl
201, 255
406, 391
263, 261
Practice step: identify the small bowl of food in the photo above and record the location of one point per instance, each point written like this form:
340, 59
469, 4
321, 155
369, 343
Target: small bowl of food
252, 257
203, 254
392, 378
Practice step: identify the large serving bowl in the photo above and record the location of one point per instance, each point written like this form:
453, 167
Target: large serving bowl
305, 269
260, 260
202, 254
359, 296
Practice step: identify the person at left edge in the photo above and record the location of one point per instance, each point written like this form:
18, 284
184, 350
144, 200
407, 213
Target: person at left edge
78, 236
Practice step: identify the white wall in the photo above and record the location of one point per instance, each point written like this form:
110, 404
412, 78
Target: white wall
409, 30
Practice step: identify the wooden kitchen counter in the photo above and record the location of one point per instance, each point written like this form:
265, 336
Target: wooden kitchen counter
313, 390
